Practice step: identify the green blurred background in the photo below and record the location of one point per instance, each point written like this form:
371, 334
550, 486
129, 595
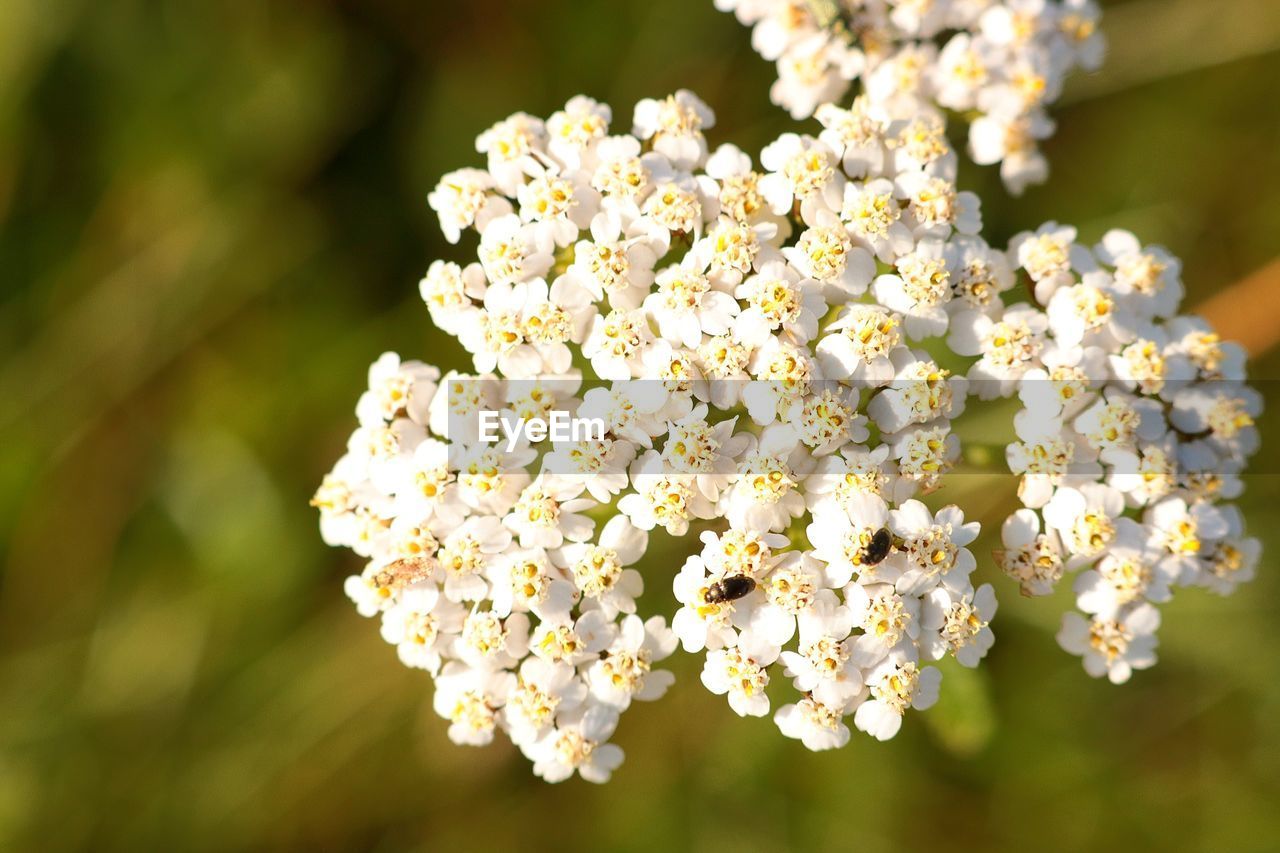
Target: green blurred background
213, 217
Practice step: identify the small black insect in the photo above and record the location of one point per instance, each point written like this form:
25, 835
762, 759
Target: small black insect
878, 548
729, 589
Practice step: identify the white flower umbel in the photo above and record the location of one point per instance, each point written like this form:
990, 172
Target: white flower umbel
999, 63
759, 351
1136, 424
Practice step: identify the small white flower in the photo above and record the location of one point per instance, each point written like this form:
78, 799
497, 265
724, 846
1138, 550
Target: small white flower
1086, 313
1128, 573
924, 455
818, 726
1011, 141
1049, 255
678, 206
542, 692
1184, 532
824, 664
873, 215
470, 700
512, 145
575, 643
855, 134
685, 306
1150, 277
766, 495
741, 675
397, 389
1227, 412
933, 546
841, 534
895, 685
675, 125
512, 251
707, 454
935, 207
885, 617
617, 261
859, 349
574, 131
1113, 647
740, 197
827, 254
814, 71
421, 626
558, 207
464, 199
1232, 561
548, 512
1010, 346
599, 570
919, 290
958, 624
1031, 558
448, 290
768, 617
921, 392
466, 554
778, 299
662, 498
698, 623
783, 374
803, 171
488, 641
525, 581
625, 670
1085, 519
579, 744
616, 343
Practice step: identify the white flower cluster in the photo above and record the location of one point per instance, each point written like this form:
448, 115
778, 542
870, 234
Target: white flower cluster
1135, 427
850, 625
745, 328
750, 341
485, 579
999, 63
